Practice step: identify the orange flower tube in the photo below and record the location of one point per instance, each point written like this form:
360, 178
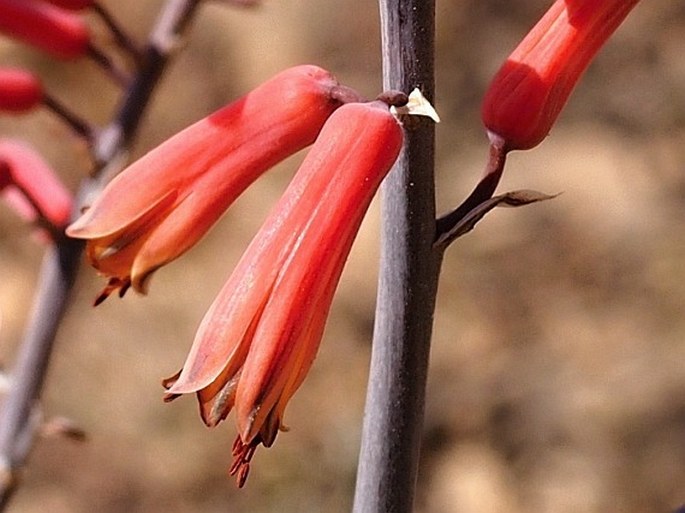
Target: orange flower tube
259, 338
161, 205
532, 87
20, 90
55, 31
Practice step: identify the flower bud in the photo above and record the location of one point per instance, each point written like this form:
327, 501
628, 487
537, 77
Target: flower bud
56, 31
19, 90
529, 91
32, 188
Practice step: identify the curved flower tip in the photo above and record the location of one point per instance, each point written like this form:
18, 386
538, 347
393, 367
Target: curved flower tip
161, 205
259, 338
32, 188
56, 31
20, 91
530, 90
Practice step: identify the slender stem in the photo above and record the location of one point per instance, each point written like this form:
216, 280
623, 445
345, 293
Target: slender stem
57, 276
409, 269
78, 125
103, 60
164, 40
122, 39
17, 430
482, 192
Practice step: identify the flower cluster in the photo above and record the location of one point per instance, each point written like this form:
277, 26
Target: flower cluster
165, 202
256, 343
260, 336
27, 182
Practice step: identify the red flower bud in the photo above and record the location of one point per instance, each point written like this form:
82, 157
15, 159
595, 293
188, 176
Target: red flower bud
261, 334
161, 205
55, 31
19, 90
31, 187
529, 91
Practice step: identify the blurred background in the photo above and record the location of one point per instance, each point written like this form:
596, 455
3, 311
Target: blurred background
557, 381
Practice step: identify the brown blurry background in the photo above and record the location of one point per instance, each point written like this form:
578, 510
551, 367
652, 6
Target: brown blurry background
557, 381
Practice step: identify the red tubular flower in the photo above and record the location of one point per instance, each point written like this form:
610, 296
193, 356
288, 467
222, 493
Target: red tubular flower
31, 187
165, 202
60, 33
257, 342
529, 91
20, 90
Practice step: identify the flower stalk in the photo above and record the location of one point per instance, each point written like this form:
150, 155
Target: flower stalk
409, 268
79, 125
122, 38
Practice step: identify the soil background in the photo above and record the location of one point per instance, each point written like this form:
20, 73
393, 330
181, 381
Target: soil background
557, 382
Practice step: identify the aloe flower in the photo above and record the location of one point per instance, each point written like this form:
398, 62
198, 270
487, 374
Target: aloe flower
20, 90
162, 204
30, 186
259, 338
56, 31
532, 87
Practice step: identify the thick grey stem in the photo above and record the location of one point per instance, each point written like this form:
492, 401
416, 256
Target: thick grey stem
409, 269
55, 282
17, 425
